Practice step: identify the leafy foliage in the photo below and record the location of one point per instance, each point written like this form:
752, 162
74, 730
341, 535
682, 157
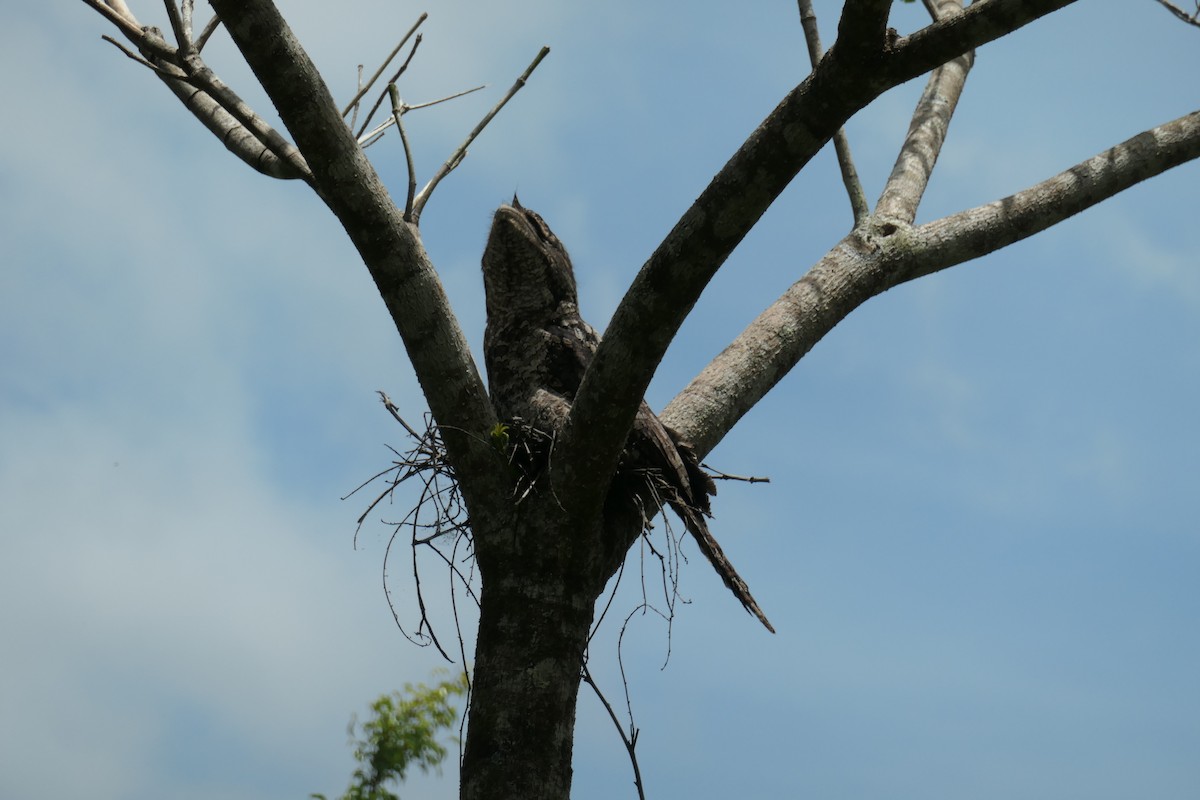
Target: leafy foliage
402, 732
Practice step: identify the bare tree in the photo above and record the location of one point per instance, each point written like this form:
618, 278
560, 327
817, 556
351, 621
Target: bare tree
545, 555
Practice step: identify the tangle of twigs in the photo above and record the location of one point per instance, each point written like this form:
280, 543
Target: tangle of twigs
439, 521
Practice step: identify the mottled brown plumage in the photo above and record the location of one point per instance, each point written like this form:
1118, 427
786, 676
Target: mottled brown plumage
536, 347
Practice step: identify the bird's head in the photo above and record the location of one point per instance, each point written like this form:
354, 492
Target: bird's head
526, 270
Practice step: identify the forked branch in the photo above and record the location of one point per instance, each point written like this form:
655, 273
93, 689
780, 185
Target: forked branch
387, 91
389, 246
978, 231
461, 152
367, 86
869, 262
240, 129
849, 77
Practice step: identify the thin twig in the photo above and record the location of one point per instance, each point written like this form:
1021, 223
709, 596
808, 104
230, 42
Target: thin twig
368, 139
207, 33
612, 595
359, 94
395, 412
1191, 19
841, 145
183, 39
136, 57
455, 96
725, 476
458, 155
438, 516
629, 741
398, 115
123, 18
371, 114
354, 114
462, 652
425, 625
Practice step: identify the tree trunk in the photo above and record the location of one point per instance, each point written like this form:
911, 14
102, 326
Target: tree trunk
535, 615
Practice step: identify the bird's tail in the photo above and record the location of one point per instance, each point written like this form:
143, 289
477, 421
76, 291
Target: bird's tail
696, 525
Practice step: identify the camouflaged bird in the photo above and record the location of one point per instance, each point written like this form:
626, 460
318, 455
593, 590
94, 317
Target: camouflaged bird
536, 347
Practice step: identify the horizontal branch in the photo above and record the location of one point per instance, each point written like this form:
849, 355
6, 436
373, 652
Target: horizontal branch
882, 255
978, 231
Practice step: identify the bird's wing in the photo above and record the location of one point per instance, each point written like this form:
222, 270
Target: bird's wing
689, 489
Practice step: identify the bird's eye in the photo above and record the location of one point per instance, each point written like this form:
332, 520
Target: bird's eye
539, 227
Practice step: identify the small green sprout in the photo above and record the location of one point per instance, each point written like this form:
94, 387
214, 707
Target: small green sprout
499, 436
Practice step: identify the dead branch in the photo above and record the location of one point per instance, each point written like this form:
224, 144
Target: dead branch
392, 80
1191, 19
397, 115
438, 517
369, 138
841, 144
239, 128
630, 740
207, 33
459, 154
364, 89
725, 476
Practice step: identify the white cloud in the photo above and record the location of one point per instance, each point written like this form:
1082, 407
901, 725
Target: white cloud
189, 353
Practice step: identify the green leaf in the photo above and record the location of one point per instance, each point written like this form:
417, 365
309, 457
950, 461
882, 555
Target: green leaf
401, 732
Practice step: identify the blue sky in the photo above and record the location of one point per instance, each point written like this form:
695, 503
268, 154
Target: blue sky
980, 539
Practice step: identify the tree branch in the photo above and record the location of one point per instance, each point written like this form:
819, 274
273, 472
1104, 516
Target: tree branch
978, 231
754, 362
243, 132
862, 29
362, 90
671, 281
982, 22
461, 152
208, 31
391, 248
868, 262
398, 116
926, 134
387, 90
181, 31
118, 14
1191, 19
841, 145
